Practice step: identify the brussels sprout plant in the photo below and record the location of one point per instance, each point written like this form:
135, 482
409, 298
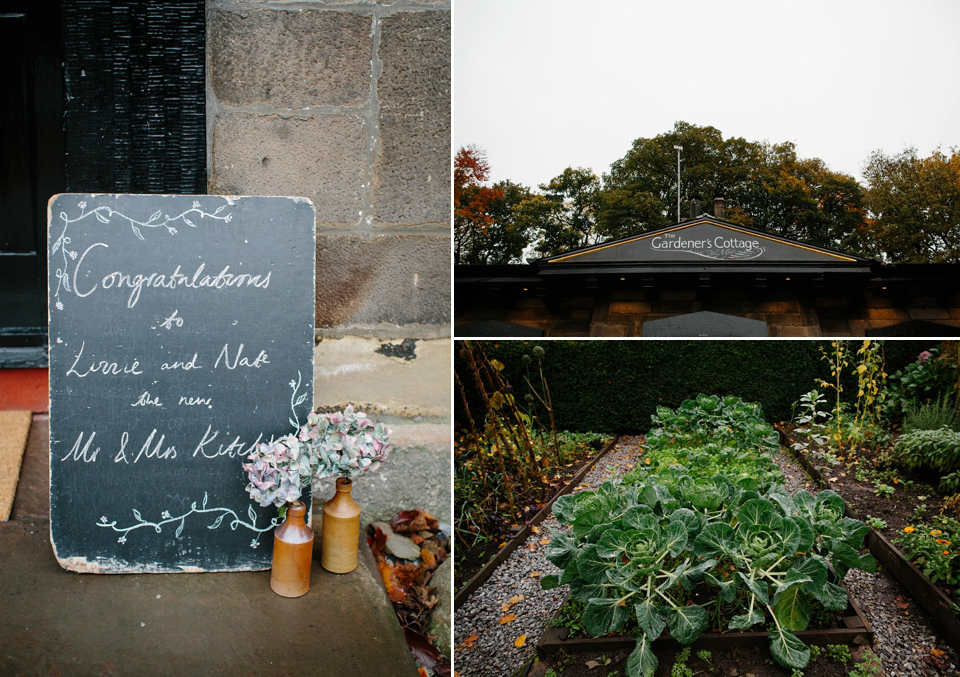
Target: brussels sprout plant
638, 547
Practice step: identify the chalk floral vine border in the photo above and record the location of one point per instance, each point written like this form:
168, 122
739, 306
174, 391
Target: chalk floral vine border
167, 518
105, 214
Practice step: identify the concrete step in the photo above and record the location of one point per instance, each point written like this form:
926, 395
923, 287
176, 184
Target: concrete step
58, 622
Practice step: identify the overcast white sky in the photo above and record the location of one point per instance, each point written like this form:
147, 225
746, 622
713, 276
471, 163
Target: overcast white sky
542, 85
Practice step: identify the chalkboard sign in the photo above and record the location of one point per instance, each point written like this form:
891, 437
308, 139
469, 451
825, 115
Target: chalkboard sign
181, 334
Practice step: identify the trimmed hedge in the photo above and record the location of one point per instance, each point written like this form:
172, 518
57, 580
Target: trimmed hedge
615, 386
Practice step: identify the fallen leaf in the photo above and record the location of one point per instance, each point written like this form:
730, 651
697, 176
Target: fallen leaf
423, 651
532, 546
509, 618
938, 653
423, 673
521, 640
414, 520
470, 642
505, 607
535, 530
591, 664
516, 598
536, 574
544, 541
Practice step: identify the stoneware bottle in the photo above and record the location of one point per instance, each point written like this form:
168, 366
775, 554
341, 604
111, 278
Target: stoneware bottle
292, 554
341, 530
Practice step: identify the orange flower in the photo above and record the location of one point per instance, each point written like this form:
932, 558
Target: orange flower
935, 532
946, 552
940, 541
647, 461
909, 530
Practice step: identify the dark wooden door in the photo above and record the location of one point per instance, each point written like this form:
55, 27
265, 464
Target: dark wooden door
31, 170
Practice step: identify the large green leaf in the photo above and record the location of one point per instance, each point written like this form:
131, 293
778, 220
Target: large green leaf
814, 567
586, 521
549, 582
687, 622
615, 542
787, 649
562, 549
791, 535
792, 609
807, 534
854, 532
746, 621
604, 615
758, 588
639, 517
831, 596
794, 578
760, 512
592, 566
642, 662
716, 538
675, 538
564, 508
650, 619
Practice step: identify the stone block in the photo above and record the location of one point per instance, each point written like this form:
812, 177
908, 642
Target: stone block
629, 307
392, 378
322, 158
878, 302
778, 307
932, 314
888, 314
412, 171
794, 331
416, 474
608, 330
291, 59
580, 315
394, 279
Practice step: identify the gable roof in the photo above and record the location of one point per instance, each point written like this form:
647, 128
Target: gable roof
704, 242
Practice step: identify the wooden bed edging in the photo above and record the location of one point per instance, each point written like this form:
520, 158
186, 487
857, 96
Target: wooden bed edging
921, 588
857, 631
481, 576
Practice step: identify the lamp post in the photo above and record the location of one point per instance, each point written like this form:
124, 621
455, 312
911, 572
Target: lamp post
678, 149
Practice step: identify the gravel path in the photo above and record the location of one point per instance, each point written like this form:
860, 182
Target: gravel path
485, 647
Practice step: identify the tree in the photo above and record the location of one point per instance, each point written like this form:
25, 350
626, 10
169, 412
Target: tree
564, 215
766, 186
915, 204
471, 202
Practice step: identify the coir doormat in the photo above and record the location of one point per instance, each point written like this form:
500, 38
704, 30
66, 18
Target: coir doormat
14, 427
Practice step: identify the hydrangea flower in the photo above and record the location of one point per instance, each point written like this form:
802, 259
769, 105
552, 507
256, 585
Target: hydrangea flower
279, 470
345, 443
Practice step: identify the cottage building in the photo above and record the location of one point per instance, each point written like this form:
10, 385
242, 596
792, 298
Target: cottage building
706, 276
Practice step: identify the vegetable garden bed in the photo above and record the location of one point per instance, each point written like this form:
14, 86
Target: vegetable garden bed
521, 536
706, 519
856, 630
924, 591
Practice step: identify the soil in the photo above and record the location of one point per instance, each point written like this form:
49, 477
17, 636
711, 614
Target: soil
898, 511
726, 663
469, 560
910, 489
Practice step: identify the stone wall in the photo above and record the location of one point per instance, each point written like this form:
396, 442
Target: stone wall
348, 103
623, 313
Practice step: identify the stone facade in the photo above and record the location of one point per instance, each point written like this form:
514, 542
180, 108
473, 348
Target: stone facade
805, 314
348, 104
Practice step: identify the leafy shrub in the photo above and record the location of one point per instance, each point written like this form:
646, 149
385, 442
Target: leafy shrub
937, 450
940, 413
921, 381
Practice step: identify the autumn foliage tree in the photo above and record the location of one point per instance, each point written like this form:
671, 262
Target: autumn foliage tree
915, 203
471, 201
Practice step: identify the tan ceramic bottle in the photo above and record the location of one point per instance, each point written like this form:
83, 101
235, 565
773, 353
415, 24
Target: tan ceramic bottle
341, 530
292, 554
